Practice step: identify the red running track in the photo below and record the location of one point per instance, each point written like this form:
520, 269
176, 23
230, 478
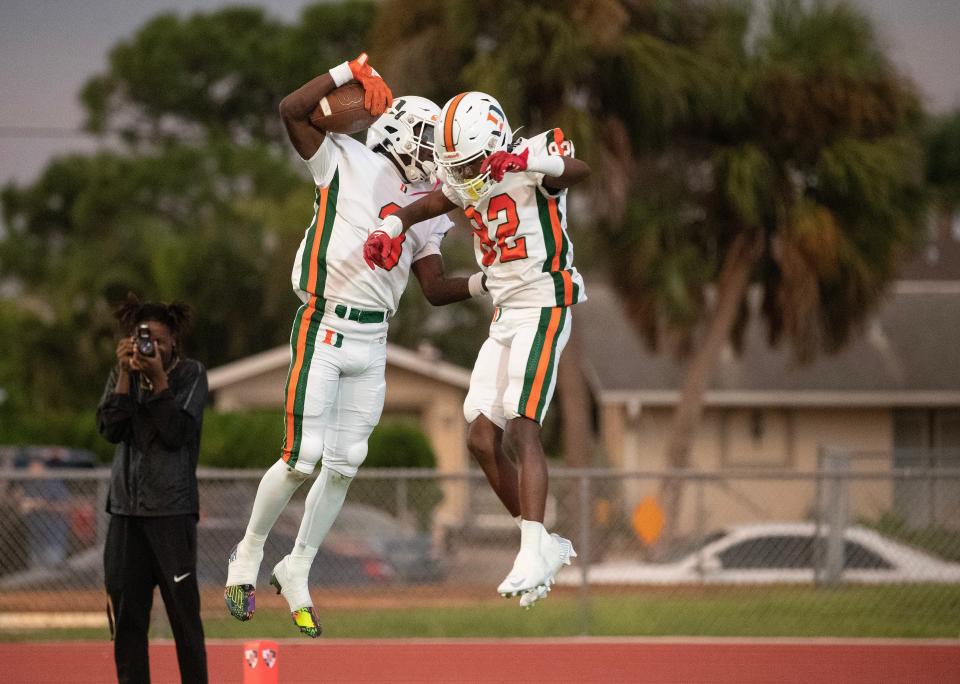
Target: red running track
578, 660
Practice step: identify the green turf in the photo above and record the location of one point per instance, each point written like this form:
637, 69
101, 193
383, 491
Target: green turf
908, 611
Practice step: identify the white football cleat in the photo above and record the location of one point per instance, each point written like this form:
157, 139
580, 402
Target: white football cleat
291, 581
529, 571
529, 598
557, 551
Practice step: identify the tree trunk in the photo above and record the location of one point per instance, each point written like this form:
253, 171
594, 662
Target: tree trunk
731, 288
577, 429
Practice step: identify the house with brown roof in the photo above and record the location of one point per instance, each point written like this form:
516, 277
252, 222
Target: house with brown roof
891, 398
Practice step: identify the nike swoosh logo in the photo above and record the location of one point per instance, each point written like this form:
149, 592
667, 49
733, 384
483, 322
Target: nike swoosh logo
180, 578
516, 583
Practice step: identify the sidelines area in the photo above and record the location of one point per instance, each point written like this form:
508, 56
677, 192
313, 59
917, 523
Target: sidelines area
587, 659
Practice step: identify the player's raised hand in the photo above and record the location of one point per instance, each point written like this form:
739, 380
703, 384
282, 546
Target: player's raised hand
376, 94
501, 162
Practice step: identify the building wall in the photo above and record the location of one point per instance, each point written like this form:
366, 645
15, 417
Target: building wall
738, 440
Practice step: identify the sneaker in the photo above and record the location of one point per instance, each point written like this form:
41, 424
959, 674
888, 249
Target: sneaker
529, 572
240, 590
291, 582
557, 551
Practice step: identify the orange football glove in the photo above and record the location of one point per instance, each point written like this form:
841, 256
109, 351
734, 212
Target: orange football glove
376, 94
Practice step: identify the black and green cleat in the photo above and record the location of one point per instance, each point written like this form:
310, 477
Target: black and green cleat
241, 601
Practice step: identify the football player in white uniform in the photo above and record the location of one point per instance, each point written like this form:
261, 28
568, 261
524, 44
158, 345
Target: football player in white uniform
514, 193
335, 386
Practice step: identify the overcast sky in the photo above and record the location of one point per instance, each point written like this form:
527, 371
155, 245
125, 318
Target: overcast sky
48, 48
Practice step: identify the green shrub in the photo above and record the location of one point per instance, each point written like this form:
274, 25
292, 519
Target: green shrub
398, 444
248, 439
74, 429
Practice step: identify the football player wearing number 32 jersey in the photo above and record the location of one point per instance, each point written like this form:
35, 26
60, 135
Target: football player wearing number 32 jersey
514, 193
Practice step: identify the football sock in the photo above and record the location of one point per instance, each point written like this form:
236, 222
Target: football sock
276, 487
530, 533
323, 504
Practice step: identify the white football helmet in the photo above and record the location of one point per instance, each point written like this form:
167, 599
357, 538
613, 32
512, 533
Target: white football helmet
472, 127
407, 129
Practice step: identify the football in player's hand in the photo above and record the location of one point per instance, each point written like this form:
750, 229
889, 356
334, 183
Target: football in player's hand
342, 111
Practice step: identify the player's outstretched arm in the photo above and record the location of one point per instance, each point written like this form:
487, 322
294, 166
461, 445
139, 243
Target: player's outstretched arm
431, 205
574, 171
385, 243
439, 289
558, 171
295, 108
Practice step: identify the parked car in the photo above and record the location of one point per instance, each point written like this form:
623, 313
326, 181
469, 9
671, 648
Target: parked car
379, 534
777, 553
43, 511
215, 539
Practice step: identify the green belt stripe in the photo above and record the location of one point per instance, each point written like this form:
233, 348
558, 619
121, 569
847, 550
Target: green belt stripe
359, 315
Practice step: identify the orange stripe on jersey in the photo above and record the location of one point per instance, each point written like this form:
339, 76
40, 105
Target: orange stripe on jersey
317, 239
555, 265
448, 123
567, 288
543, 364
557, 231
291, 398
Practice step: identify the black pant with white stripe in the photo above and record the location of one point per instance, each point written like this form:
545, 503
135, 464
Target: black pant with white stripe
142, 553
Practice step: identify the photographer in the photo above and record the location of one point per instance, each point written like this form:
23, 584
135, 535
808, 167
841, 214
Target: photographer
152, 409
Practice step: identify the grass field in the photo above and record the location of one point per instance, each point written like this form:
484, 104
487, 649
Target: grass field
903, 611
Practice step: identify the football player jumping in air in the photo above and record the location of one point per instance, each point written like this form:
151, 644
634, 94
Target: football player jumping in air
514, 192
335, 385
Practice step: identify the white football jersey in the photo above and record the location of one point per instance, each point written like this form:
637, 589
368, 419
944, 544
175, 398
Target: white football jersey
520, 235
356, 188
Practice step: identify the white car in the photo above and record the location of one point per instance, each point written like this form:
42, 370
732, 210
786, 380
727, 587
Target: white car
776, 553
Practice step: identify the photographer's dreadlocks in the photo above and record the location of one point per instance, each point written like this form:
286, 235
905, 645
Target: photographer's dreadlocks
176, 315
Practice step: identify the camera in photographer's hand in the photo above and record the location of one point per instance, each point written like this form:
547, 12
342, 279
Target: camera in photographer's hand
145, 340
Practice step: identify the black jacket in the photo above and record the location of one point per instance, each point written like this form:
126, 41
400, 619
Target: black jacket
158, 442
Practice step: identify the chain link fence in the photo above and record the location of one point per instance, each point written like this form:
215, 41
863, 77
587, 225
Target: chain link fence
659, 553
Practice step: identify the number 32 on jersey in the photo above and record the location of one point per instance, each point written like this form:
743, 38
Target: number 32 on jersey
502, 212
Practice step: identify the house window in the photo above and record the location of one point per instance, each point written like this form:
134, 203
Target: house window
927, 438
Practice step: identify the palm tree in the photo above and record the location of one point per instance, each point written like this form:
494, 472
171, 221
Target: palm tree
730, 148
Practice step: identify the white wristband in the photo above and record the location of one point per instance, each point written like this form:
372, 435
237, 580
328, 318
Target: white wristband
549, 165
391, 225
476, 286
341, 74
